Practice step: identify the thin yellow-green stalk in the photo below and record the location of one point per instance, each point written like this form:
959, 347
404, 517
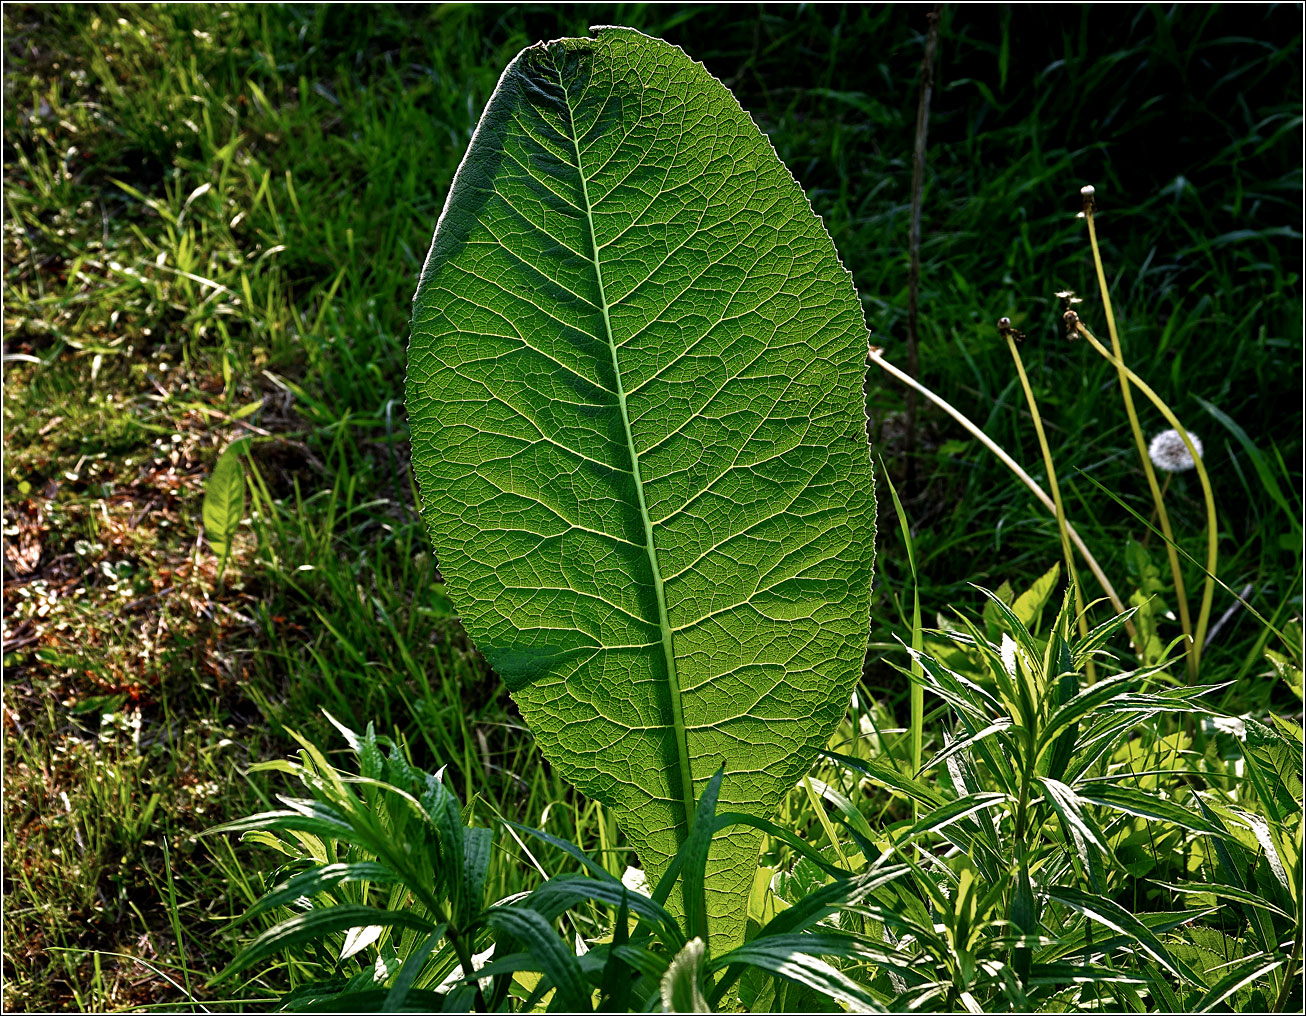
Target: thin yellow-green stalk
917, 642
1081, 610
1181, 597
877, 357
1208, 494
815, 800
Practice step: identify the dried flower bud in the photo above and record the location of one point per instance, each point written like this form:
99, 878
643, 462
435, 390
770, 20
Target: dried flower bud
1072, 324
1007, 331
1169, 452
1089, 203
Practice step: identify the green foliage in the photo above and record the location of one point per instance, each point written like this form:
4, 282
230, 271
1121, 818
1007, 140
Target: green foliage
382, 863
283, 164
399, 834
1050, 777
1007, 893
635, 393
224, 500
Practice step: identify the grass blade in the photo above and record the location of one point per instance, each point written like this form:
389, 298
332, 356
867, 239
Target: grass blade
316, 925
1109, 913
556, 961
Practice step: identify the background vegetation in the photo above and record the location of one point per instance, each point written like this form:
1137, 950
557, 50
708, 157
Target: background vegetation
214, 219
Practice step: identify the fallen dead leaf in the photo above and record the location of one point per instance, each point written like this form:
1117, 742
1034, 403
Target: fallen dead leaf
23, 551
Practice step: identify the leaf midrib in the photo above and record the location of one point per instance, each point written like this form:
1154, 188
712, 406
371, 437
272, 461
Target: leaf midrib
673, 682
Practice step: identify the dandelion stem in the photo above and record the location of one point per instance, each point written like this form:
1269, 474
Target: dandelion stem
1072, 573
1212, 522
1165, 486
1181, 597
877, 357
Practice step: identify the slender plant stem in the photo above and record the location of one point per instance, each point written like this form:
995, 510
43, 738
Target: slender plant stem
1208, 494
1020, 841
815, 800
464, 954
917, 642
917, 689
1072, 573
877, 357
1281, 1002
1193, 658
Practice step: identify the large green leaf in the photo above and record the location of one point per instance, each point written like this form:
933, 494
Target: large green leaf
635, 393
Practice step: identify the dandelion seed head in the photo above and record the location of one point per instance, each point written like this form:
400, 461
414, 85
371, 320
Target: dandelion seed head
1087, 190
1168, 451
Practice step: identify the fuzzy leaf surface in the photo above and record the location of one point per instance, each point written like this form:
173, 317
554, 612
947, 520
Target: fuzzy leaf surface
635, 394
